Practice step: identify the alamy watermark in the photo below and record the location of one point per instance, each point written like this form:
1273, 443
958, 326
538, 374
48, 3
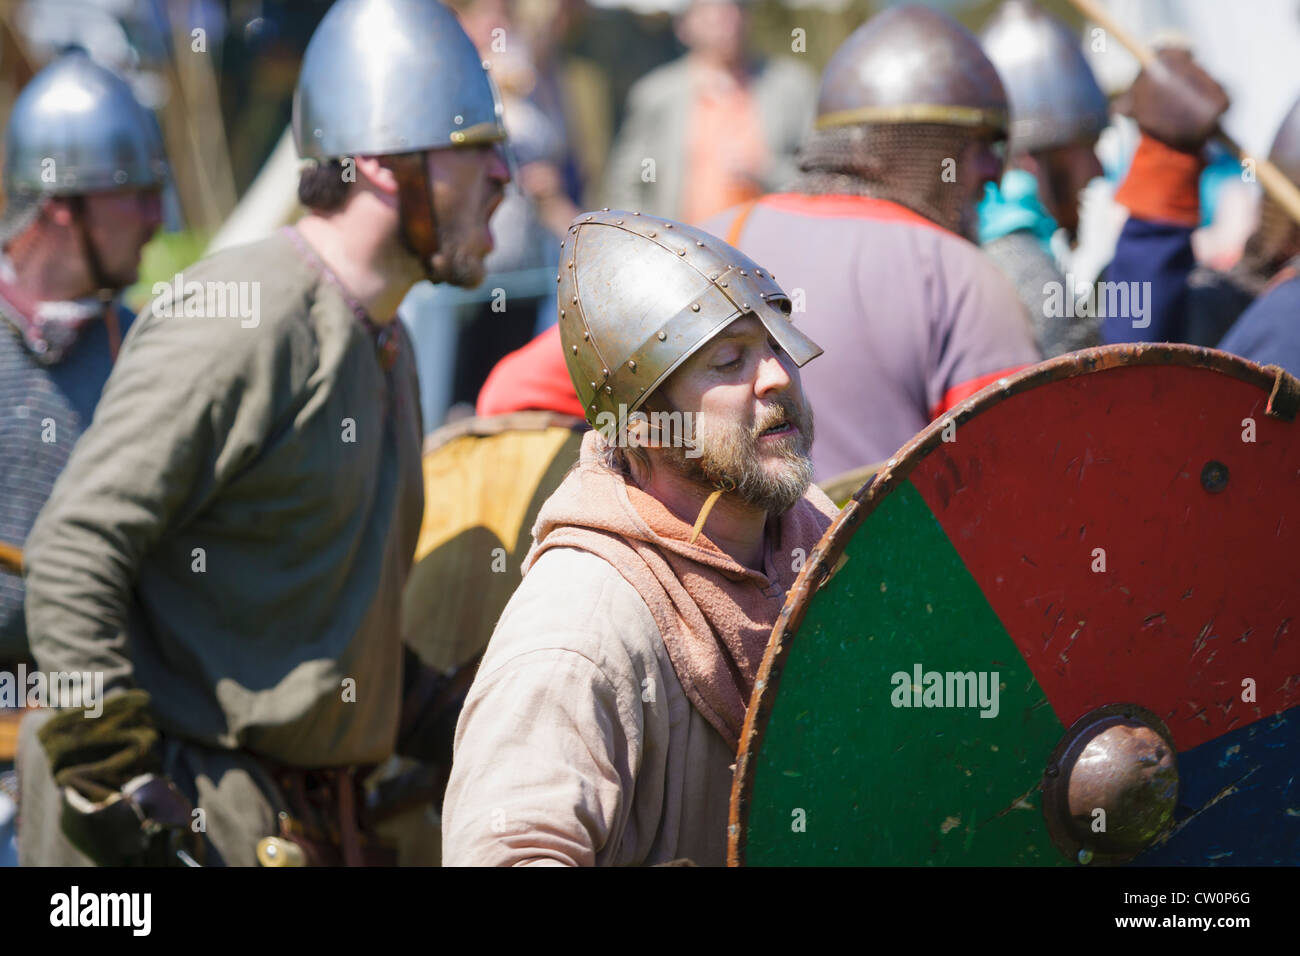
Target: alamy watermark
946, 689
1114, 300
208, 300
665, 430
83, 690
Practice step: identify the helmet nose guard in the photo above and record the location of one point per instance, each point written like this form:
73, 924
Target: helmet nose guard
639, 295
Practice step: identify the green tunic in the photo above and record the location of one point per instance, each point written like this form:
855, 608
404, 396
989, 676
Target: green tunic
233, 531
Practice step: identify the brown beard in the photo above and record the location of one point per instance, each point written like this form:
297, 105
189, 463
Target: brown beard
729, 454
457, 267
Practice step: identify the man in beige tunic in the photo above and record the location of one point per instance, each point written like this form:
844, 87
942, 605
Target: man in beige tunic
228, 544
604, 721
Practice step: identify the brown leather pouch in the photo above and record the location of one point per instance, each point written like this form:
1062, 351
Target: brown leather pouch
323, 818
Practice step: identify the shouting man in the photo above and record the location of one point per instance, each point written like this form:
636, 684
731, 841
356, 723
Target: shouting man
229, 542
605, 717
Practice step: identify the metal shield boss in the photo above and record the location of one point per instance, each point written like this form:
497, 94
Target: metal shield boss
78, 128
1057, 628
1055, 99
639, 295
392, 76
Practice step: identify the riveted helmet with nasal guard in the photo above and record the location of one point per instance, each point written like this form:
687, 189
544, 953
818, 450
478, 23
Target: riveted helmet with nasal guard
392, 76
639, 295
77, 128
1055, 99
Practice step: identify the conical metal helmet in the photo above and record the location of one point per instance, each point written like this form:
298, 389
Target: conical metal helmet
911, 64
1055, 99
392, 76
639, 295
1285, 151
78, 128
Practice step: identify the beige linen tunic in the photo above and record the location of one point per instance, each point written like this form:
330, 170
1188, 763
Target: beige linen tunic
604, 760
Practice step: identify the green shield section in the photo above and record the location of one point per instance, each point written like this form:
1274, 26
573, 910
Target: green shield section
846, 777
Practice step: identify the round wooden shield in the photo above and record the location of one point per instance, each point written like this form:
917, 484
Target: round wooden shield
485, 479
1114, 530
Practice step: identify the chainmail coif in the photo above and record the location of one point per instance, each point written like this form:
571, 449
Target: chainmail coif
900, 162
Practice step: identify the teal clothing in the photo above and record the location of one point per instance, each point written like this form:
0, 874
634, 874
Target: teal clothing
1014, 206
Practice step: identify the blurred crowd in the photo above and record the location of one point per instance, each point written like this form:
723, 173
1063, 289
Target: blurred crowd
940, 206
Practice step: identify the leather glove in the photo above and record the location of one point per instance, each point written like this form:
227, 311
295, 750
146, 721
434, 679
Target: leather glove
117, 808
1177, 102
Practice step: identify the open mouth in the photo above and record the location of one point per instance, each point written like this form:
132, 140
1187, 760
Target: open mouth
778, 431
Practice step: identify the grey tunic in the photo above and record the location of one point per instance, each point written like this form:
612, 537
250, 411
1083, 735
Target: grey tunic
233, 532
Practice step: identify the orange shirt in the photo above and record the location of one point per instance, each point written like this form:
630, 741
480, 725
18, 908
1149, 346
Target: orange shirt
725, 148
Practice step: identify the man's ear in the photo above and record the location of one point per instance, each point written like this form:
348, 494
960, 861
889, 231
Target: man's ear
371, 169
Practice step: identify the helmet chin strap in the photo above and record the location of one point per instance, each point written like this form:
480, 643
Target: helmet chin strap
720, 488
419, 222
105, 289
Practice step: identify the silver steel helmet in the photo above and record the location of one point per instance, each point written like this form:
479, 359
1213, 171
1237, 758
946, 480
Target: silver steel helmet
78, 128
392, 76
639, 295
1055, 99
911, 64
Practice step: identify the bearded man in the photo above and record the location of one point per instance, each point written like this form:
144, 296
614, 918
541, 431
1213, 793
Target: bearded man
229, 542
605, 717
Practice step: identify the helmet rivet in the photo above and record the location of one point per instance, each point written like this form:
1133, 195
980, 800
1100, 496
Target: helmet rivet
575, 350
618, 222
742, 272
681, 252
723, 283
561, 313
662, 336
604, 209
636, 213
570, 266
562, 241
757, 272
588, 219
668, 225
593, 386
700, 243
695, 307
604, 372
585, 336
575, 300
608, 390
744, 306
651, 234
557, 277
631, 365
458, 119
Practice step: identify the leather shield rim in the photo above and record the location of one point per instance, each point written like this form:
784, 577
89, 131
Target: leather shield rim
821, 563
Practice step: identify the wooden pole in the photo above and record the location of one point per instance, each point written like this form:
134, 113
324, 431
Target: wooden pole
1273, 180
